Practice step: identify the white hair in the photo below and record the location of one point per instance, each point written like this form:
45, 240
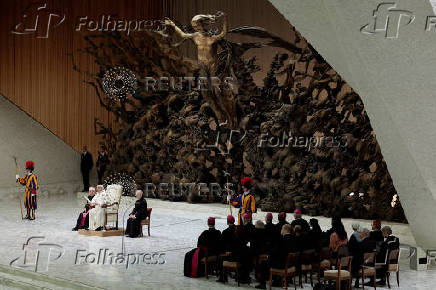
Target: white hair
100, 186
139, 191
92, 188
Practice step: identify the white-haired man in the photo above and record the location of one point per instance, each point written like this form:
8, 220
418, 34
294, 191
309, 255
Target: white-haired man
97, 215
138, 214
100, 188
83, 219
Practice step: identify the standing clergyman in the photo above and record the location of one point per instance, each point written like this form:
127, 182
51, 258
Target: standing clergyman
102, 162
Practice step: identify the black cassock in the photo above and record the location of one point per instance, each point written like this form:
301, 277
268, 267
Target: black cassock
140, 212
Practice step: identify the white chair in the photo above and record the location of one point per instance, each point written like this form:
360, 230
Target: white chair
114, 192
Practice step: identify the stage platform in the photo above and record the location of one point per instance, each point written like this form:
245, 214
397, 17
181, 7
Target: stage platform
108, 233
175, 227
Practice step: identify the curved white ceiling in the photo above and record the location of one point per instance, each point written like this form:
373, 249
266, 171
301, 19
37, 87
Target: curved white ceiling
394, 72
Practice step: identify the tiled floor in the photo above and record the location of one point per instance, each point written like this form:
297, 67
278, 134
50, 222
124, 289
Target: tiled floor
174, 230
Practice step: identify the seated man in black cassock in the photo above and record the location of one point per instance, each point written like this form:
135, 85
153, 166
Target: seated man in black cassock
83, 219
138, 214
211, 239
229, 236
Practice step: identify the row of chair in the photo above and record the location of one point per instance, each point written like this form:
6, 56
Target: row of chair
310, 261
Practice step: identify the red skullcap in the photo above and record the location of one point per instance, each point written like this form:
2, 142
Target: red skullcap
377, 224
211, 221
247, 216
230, 219
269, 216
297, 211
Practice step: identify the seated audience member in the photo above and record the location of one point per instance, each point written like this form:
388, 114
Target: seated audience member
229, 235
279, 254
282, 221
244, 236
389, 244
298, 220
354, 243
329, 232
247, 228
366, 245
258, 242
229, 245
317, 235
210, 240
285, 246
338, 238
83, 219
300, 240
377, 235
138, 214
354, 248
270, 231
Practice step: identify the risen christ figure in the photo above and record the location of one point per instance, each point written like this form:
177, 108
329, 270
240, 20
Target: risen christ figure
222, 102
202, 38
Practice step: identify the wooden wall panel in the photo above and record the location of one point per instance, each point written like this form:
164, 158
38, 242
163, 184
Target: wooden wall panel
38, 76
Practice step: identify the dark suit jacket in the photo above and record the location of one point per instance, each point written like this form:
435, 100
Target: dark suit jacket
258, 244
86, 162
285, 246
102, 161
391, 243
270, 235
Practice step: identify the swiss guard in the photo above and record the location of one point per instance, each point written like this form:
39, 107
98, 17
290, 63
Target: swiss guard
246, 201
31, 183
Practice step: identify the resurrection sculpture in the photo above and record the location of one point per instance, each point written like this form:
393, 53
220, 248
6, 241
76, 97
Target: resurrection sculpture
303, 135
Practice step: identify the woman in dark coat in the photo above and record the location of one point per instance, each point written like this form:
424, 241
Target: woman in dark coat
138, 214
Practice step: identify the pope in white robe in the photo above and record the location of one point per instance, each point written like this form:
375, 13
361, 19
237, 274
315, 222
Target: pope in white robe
102, 200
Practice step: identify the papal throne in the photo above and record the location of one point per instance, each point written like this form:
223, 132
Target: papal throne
114, 192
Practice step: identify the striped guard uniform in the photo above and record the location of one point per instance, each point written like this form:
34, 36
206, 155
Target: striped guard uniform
246, 203
31, 183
